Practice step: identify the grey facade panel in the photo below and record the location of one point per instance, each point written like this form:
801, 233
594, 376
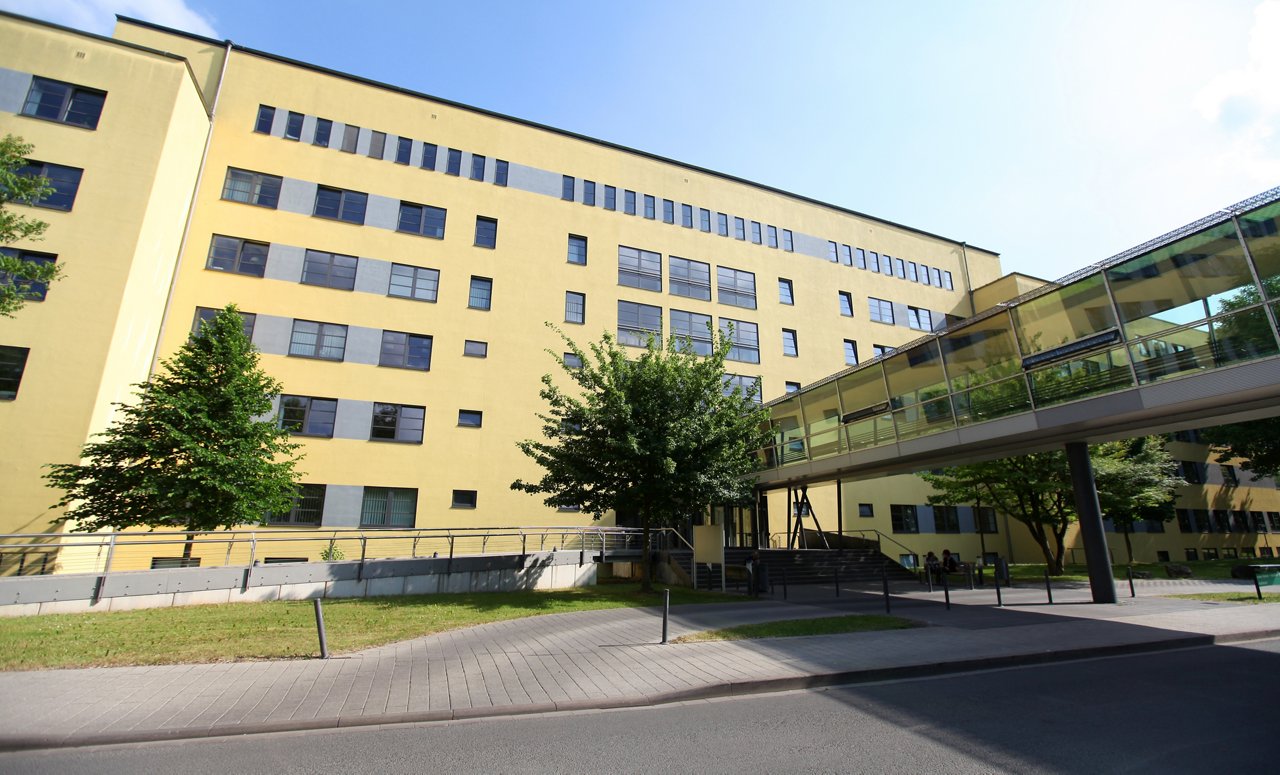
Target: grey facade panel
533, 179
383, 212
342, 505
284, 262
278, 122
336, 134
308, 129
363, 140
808, 245
373, 276
353, 419
271, 334
14, 87
900, 316
297, 196
364, 345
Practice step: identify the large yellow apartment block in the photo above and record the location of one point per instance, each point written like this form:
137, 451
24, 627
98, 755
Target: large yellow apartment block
398, 257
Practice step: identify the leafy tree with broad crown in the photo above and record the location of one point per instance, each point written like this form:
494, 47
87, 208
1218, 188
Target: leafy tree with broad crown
1136, 481
194, 451
17, 276
658, 435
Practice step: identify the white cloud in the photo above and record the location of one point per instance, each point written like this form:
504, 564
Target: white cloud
99, 15
1245, 99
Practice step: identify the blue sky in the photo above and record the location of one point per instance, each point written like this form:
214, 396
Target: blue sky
1057, 133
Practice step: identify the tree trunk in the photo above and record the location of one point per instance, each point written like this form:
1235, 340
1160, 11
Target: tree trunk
186, 547
1037, 532
1127, 545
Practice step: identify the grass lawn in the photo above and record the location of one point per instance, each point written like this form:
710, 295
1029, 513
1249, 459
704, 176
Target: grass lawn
1233, 597
791, 628
1204, 569
287, 629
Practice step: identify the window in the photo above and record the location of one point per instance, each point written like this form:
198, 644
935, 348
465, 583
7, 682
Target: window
866, 510
577, 250
739, 228
911, 271
404, 149
262, 125
464, 499
636, 322
377, 144
477, 166
500, 171
744, 340
1222, 521
881, 310
453, 163
791, 387
1192, 472
1229, 477
1273, 517
846, 303
696, 328
414, 282
486, 232
572, 360
936, 276
873, 261
252, 188
668, 211
1184, 520
736, 287
788, 244
886, 265
205, 314
575, 307
67, 103
589, 193
785, 295
946, 519
405, 351
308, 416
833, 252
293, 126
1192, 555
610, 198
566, 187
773, 236
691, 279
308, 507
331, 270
324, 129
903, 518
860, 258
650, 205
13, 361
918, 318
422, 219
639, 268
341, 204
947, 281
789, 345
318, 340
481, 294
429, 151
850, 352
629, 202
1211, 554
985, 519
755, 232
686, 216
722, 224
704, 220
470, 418
924, 274
397, 422
749, 386
878, 350
350, 136
475, 349
899, 268
388, 507
28, 290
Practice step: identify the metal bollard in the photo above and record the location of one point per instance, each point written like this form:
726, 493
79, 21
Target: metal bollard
1132, 592
1048, 586
837, 576
946, 591
884, 576
784, 585
999, 597
324, 643
968, 572
666, 612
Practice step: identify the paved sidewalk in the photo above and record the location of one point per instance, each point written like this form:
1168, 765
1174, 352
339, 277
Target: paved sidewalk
612, 658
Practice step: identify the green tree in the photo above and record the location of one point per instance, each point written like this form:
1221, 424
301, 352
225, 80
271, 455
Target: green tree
657, 435
20, 280
1136, 481
194, 450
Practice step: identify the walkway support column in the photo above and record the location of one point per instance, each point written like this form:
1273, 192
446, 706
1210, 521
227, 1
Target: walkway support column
1090, 513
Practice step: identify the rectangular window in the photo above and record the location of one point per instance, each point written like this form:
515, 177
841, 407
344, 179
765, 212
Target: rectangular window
773, 236
252, 188
350, 137
308, 416
397, 422
936, 276
1210, 554
691, 279
918, 318
67, 103
985, 520
481, 294
722, 224
924, 274
785, 294
668, 211
911, 272
1273, 517
947, 281
341, 204
1203, 524
744, 338
205, 314
639, 268
881, 310
429, 151
575, 307
636, 322
324, 129
318, 340
1192, 472
650, 207
486, 232
261, 125
739, 228
833, 252
792, 387
704, 220
873, 261
610, 198
694, 327
946, 519
414, 282
572, 360
577, 250
686, 216
589, 193
860, 258
903, 518
1192, 555
877, 350
900, 268
472, 348
308, 507
477, 166
846, 255
377, 144
736, 287
1184, 521
388, 507
404, 150
629, 202
422, 219
293, 126
453, 163
566, 187
464, 499
850, 352
789, 345
755, 232
470, 418
331, 270
28, 290
13, 362
866, 510
748, 386
788, 243
500, 171
846, 303
886, 265
405, 351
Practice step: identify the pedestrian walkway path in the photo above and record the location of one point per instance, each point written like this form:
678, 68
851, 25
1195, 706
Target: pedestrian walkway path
610, 658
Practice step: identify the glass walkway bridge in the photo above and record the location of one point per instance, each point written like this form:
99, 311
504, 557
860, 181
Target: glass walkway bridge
1177, 332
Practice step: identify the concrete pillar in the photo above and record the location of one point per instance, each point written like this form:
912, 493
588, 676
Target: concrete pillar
1101, 581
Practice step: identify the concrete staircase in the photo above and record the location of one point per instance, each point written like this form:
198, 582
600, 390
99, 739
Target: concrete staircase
851, 564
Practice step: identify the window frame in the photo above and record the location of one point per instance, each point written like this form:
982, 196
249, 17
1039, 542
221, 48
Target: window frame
263, 190
486, 232
733, 289
327, 270
388, 495
415, 277
400, 425
349, 207
324, 417
66, 103
323, 330
639, 268
486, 283
786, 292
425, 220
577, 246
13, 366
405, 350
575, 307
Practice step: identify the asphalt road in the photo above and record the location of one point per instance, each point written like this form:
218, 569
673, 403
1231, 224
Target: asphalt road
1205, 710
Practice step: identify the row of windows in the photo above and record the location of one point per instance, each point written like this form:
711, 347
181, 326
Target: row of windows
692, 279
946, 519
315, 416
379, 506
322, 136
1224, 521
1229, 553
1198, 473
889, 266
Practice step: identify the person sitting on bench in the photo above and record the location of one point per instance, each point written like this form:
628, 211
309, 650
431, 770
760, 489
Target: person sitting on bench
950, 562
